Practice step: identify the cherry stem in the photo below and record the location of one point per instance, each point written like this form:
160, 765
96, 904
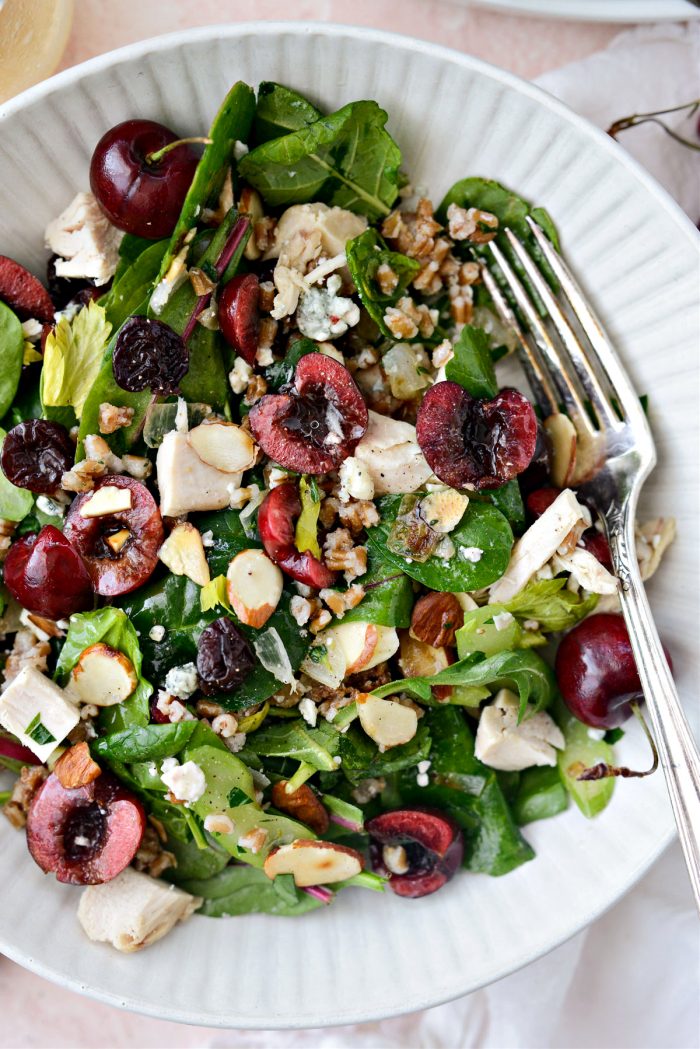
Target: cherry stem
652, 118
158, 154
603, 771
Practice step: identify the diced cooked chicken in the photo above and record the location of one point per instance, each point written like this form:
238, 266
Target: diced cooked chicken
390, 452
304, 231
504, 744
87, 242
586, 570
133, 911
186, 483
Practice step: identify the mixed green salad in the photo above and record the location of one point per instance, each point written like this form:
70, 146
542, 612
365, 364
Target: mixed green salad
298, 596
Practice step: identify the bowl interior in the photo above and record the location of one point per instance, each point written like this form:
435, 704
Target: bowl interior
637, 255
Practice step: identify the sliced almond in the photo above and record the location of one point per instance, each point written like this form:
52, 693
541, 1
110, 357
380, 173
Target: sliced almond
364, 645
103, 676
254, 587
385, 721
444, 509
106, 500
183, 553
562, 434
118, 540
314, 862
250, 204
75, 767
224, 446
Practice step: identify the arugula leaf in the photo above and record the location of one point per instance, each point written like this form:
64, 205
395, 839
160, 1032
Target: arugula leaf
144, 742
279, 111
361, 758
549, 603
522, 671
482, 526
231, 124
246, 890
346, 159
472, 366
292, 739
11, 356
389, 596
15, 503
365, 254
72, 358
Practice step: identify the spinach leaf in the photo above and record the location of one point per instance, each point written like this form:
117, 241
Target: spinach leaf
361, 758
281, 372
15, 503
471, 794
231, 124
144, 742
11, 355
365, 254
293, 739
193, 862
549, 603
279, 111
540, 795
130, 247
472, 366
347, 159
508, 499
510, 209
388, 599
523, 671
482, 526
134, 284
245, 890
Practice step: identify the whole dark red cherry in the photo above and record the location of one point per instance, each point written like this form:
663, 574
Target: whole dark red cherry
239, 315
35, 455
117, 571
596, 671
419, 850
472, 443
224, 658
86, 835
315, 422
137, 194
47, 575
277, 518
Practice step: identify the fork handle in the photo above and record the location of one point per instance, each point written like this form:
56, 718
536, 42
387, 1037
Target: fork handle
677, 748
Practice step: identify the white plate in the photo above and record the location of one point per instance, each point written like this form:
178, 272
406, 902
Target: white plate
596, 10
368, 956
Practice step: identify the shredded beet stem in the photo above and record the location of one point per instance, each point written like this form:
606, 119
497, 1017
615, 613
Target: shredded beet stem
319, 892
348, 824
228, 251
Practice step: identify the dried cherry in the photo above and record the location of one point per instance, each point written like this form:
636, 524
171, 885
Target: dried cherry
224, 658
149, 355
36, 454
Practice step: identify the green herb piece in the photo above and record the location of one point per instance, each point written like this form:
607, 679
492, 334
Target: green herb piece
37, 731
237, 797
365, 254
279, 111
346, 159
551, 605
15, 503
73, 357
144, 742
11, 356
306, 532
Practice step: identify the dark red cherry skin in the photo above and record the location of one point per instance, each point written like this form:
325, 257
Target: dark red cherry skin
114, 574
35, 455
540, 500
317, 423
46, 575
434, 846
87, 835
137, 195
23, 293
277, 518
239, 315
10, 748
538, 471
471, 443
596, 671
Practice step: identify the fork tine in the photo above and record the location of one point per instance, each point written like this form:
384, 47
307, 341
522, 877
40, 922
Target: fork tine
587, 377
542, 389
558, 369
604, 352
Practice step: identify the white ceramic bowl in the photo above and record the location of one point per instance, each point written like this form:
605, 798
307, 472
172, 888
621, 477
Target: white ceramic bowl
370, 956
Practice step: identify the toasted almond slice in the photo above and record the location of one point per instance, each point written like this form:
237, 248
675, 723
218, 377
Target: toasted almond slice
444, 509
102, 676
385, 721
313, 862
363, 644
224, 446
105, 501
254, 587
250, 203
183, 553
116, 541
75, 767
562, 434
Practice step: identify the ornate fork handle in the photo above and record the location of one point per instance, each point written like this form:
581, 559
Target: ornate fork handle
674, 739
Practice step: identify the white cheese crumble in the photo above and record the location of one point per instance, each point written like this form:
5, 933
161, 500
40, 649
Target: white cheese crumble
240, 375
186, 782
49, 506
236, 743
502, 620
157, 632
322, 314
309, 711
181, 681
596, 733
355, 480
471, 553
208, 538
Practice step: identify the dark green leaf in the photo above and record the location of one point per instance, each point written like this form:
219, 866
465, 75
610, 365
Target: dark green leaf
37, 731
245, 890
193, 862
365, 254
508, 499
540, 795
510, 209
293, 739
237, 797
279, 111
361, 759
144, 742
134, 285
11, 354
471, 365
347, 159
281, 372
388, 596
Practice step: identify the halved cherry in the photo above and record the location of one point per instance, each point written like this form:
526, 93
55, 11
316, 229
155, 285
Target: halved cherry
239, 315
277, 517
317, 422
46, 575
117, 572
419, 850
23, 293
470, 443
85, 835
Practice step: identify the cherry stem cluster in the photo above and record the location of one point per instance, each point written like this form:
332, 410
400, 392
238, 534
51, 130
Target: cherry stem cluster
653, 118
603, 771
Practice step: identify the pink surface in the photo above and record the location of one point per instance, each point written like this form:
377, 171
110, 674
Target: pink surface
36, 1013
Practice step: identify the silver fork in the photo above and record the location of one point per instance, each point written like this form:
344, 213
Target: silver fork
572, 364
